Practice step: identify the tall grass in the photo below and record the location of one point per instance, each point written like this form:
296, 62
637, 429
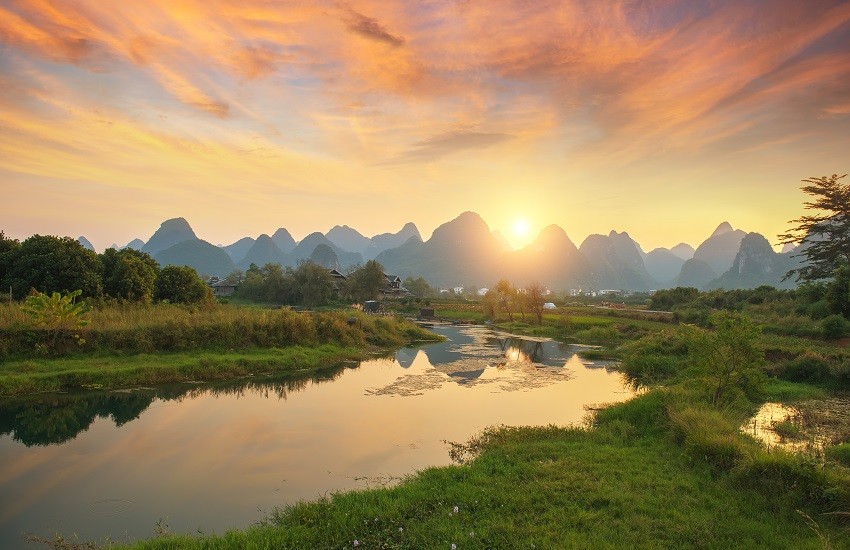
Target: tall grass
129, 328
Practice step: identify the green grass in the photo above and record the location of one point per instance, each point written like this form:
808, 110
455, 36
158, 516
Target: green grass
43, 375
789, 392
549, 487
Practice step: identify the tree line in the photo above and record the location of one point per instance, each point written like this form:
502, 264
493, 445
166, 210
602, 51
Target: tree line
48, 264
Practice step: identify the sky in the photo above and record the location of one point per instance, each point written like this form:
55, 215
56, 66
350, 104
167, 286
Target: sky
660, 118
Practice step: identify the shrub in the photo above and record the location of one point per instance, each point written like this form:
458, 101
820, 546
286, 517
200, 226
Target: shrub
839, 453
833, 327
808, 367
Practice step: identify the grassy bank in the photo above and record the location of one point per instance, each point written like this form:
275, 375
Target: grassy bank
131, 329
54, 375
627, 482
129, 345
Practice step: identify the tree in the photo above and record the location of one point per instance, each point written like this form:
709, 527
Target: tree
129, 274
7, 250
727, 358
506, 297
181, 284
535, 295
52, 264
823, 237
418, 287
838, 292
367, 282
313, 284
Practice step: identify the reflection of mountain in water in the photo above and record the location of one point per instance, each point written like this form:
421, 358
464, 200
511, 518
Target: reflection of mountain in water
522, 350
60, 418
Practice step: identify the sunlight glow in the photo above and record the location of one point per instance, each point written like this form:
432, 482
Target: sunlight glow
520, 228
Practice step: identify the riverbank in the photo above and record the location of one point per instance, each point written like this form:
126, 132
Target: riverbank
126, 345
622, 482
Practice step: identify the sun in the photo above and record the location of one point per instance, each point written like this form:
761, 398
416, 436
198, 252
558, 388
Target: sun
520, 228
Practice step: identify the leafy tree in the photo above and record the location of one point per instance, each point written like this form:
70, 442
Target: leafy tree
313, 284
367, 282
838, 291
665, 300
506, 297
7, 249
418, 287
823, 237
181, 284
129, 274
52, 264
728, 358
535, 295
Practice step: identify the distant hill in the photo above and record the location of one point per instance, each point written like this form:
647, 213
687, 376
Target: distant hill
348, 239
207, 259
617, 262
695, 273
664, 266
503, 242
283, 240
171, 232
386, 241
720, 249
304, 250
756, 264
553, 260
263, 251
85, 242
325, 257
683, 250
135, 244
460, 252
239, 249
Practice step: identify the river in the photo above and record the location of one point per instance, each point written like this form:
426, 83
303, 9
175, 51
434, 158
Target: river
205, 458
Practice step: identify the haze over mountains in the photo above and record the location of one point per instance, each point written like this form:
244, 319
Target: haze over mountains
465, 252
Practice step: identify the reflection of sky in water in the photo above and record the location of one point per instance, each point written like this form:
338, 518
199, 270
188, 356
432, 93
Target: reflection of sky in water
220, 455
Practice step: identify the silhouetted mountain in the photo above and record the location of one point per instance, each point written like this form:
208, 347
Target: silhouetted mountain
553, 260
171, 232
683, 250
695, 273
283, 240
386, 241
724, 227
462, 251
719, 250
756, 264
664, 266
304, 250
85, 242
616, 262
207, 259
263, 252
135, 244
325, 257
239, 249
503, 242
348, 239
788, 247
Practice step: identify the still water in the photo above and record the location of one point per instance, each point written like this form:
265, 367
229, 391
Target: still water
205, 458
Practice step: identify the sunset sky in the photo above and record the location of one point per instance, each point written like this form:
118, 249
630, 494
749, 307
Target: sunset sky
661, 118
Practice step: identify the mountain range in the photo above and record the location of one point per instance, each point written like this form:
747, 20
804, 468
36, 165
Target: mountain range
466, 252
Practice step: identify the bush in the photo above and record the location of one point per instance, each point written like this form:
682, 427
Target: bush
833, 327
808, 367
839, 453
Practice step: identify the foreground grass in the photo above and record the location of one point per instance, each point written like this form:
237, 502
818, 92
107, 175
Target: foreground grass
53, 375
614, 486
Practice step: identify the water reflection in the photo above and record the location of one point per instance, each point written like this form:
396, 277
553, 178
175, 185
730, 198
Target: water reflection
220, 455
58, 418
